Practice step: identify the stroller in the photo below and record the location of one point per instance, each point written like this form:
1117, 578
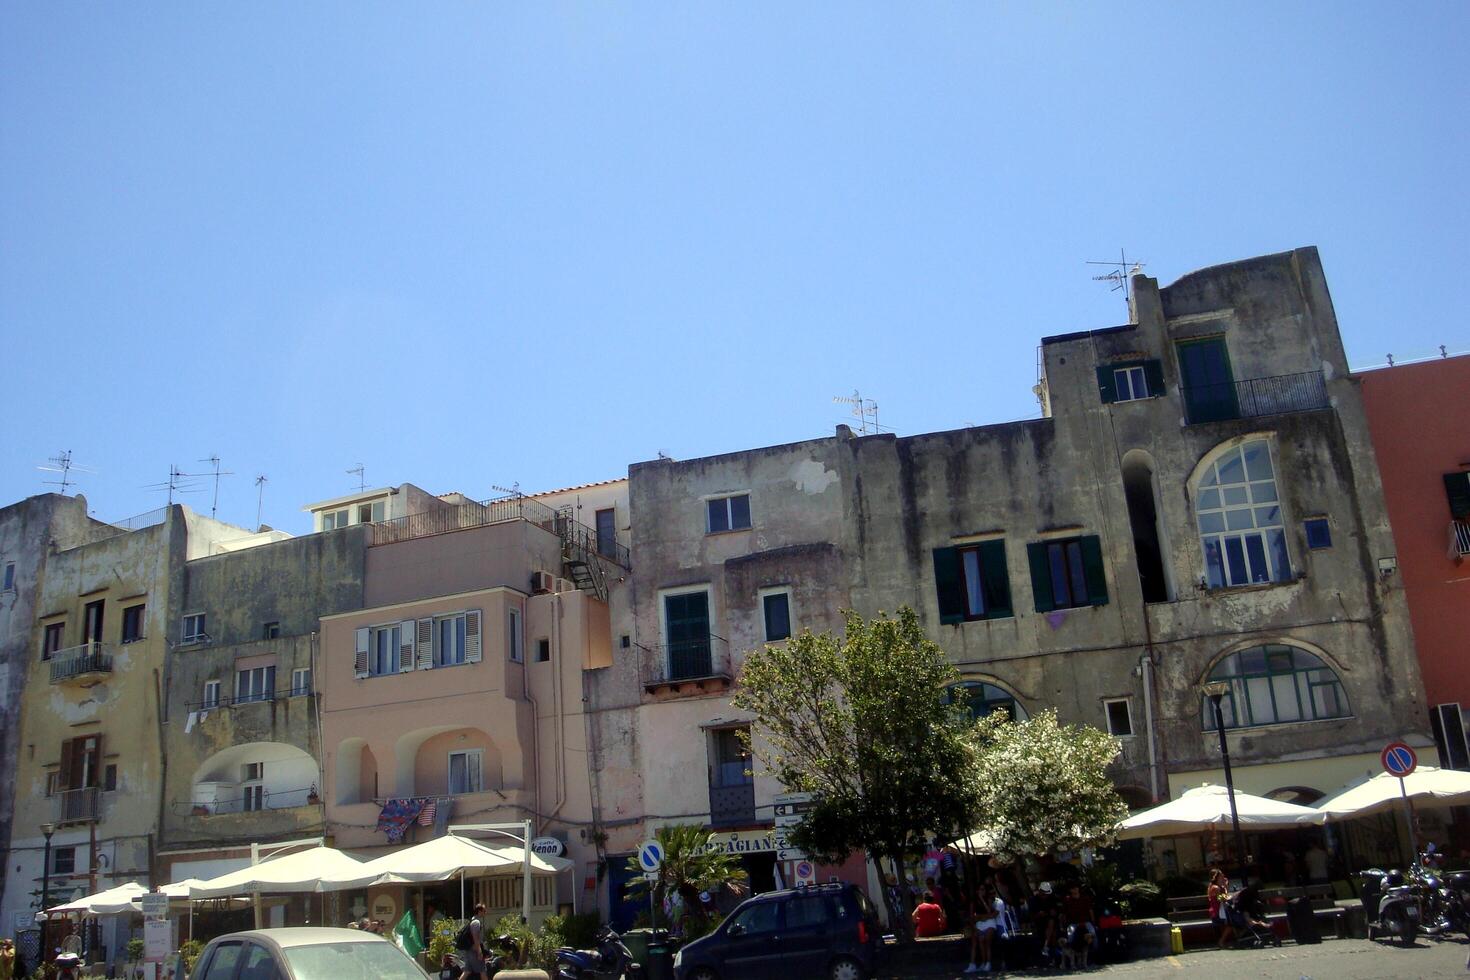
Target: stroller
1245, 912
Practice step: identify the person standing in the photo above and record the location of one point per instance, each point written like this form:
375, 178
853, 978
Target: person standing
474, 957
1217, 894
1316, 861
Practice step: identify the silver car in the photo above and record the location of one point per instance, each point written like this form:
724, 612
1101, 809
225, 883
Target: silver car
305, 953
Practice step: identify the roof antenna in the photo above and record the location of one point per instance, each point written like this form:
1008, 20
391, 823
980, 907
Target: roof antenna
1120, 276
514, 490
61, 464
260, 482
865, 410
217, 473
177, 483
359, 470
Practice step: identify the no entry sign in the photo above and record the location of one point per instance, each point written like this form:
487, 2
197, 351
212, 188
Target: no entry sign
1399, 760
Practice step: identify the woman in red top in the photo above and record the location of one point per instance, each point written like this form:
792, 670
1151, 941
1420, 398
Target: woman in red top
928, 917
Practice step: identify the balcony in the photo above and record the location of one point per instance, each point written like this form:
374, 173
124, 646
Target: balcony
1459, 539
462, 517
77, 805
1255, 397
732, 806
701, 664
80, 664
261, 697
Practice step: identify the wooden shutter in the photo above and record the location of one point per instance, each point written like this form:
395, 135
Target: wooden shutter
68, 758
1040, 577
1153, 373
1457, 488
360, 661
1092, 567
1106, 384
424, 647
93, 745
949, 584
997, 580
406, 631
472, 636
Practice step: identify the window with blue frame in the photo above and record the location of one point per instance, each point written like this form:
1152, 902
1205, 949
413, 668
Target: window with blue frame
1273, 684
1240, 521
1319, 535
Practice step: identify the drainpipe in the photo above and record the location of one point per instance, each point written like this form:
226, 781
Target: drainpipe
535, 718
1146, 671
556, 669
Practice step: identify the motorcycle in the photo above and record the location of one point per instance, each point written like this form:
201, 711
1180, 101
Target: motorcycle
68, 966
609, 961
1390, 905
501, 953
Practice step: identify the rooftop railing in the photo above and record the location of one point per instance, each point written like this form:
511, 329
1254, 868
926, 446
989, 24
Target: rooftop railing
460, 517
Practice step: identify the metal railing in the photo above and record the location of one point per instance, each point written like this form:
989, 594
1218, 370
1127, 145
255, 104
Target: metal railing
1256, 397
77, 805
460, 517
89, 658
227, 701
1462, 536
580, 536
281, 799
732, 805
704, 658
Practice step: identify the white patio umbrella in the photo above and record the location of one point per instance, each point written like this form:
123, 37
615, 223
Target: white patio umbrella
302, 871
110, 902
1206, 807
1426, 786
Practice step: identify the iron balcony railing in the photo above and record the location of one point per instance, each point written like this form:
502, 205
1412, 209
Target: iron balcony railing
1256, 397
89, 658
731, 806
580, 536
460, 517
77, 805
701, 658
281, 799
1462, 537
227, 701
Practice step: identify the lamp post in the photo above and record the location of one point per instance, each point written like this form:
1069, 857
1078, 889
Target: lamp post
47, 829
1216, 691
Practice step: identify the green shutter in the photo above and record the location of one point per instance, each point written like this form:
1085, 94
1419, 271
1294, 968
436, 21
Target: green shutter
1457, 488
1105, 385
1153, 372
1040, 577
949, 585
997, 580
1092, 567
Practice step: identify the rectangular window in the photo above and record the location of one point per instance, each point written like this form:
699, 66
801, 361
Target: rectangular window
464, 771
728, 513
1067, 573
53, 782
92, 621
334, 520
109, 777
449, 640
687, 632
1448, 724
383, 651
300, 682
194, 628
1207, 381
776, 611
255, 684
731, 760
1130, 380
63, 860
1457, 492
9, 585
253, 797
1120, 718
52, 639
607, 531
132, 624
973, 582
1130, 383
513, 636
543, 650
1319, 535
271, 631
211, 695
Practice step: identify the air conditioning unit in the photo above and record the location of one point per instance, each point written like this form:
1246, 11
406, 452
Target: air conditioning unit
542, 583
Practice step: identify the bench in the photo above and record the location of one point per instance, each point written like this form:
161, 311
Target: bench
1191, 913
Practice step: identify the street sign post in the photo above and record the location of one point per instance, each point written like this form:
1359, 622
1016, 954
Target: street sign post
1401, 760
806, 874
155, 905
650, 859
790, 809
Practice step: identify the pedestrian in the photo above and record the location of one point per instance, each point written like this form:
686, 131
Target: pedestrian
928, 917
1217, 894
474, 957
1042, 911
1316, 861
7, 960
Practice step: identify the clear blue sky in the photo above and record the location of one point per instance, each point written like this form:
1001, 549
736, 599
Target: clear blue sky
473, 244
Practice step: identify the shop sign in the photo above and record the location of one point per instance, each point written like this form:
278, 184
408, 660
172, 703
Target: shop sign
548, 847
385, 909
157, 940
746, 841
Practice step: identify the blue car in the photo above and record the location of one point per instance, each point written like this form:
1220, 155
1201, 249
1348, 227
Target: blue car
829, 931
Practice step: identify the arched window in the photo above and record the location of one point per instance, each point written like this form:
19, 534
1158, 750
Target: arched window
1275, 683
1240, 521
983, 699
1300, 795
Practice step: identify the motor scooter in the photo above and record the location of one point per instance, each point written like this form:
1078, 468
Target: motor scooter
68, 966
508, 958
611, 960
1390, 906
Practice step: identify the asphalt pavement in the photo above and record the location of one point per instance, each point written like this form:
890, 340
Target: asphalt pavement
1341, 959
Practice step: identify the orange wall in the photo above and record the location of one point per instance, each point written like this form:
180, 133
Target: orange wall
1419, 416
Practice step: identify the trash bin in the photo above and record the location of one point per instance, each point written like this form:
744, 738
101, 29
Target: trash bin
1302, 920
659, 963
637, 942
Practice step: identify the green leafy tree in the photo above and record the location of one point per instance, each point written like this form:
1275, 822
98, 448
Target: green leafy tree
865, 722
690, 866
1044, 787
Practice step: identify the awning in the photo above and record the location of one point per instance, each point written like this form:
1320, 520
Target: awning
109, 902
302, 871
1426, 786
1207, 807
439, 860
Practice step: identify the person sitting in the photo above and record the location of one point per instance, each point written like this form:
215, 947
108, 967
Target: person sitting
1081, 921
990, 916
928, 917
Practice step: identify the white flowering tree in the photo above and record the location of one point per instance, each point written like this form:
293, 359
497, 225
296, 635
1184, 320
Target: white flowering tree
1043, 786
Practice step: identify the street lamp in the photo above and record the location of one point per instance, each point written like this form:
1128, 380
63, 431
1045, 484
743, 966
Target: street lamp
47, 829
1216, 691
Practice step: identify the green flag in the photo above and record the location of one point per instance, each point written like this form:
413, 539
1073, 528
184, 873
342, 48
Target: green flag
407, 935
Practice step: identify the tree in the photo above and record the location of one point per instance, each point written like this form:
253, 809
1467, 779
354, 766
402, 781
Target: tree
690, 866
864, 723
1043, 786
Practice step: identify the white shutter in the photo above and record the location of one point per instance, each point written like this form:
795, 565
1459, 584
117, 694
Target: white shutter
425, 644
472, 636
405, 646
360, 662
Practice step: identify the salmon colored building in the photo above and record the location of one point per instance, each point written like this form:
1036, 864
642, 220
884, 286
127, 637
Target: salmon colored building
1419, 416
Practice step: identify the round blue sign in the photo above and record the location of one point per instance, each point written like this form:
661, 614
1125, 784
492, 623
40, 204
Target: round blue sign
650, 855
1399, 759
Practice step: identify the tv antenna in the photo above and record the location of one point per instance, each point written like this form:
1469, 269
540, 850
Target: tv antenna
260, 482
358, 471
865, 410
178, 482
62, 465
1121, 274
216, 472
514, 490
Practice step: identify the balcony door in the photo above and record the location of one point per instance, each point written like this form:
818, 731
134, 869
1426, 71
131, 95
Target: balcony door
79, 776
1208, 383
92, 622
686, 621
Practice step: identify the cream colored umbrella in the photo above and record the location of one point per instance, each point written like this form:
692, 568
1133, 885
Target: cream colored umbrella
109, 902
1425, 786
302, 871
1207, 807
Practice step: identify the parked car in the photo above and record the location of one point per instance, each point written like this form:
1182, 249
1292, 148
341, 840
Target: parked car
304, 953
824, 931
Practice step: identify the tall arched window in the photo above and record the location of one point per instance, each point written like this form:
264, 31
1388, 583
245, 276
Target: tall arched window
983, 699
1240, 522
1275, 683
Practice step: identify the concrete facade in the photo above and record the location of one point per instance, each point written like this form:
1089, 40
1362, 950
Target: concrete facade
1420, 419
